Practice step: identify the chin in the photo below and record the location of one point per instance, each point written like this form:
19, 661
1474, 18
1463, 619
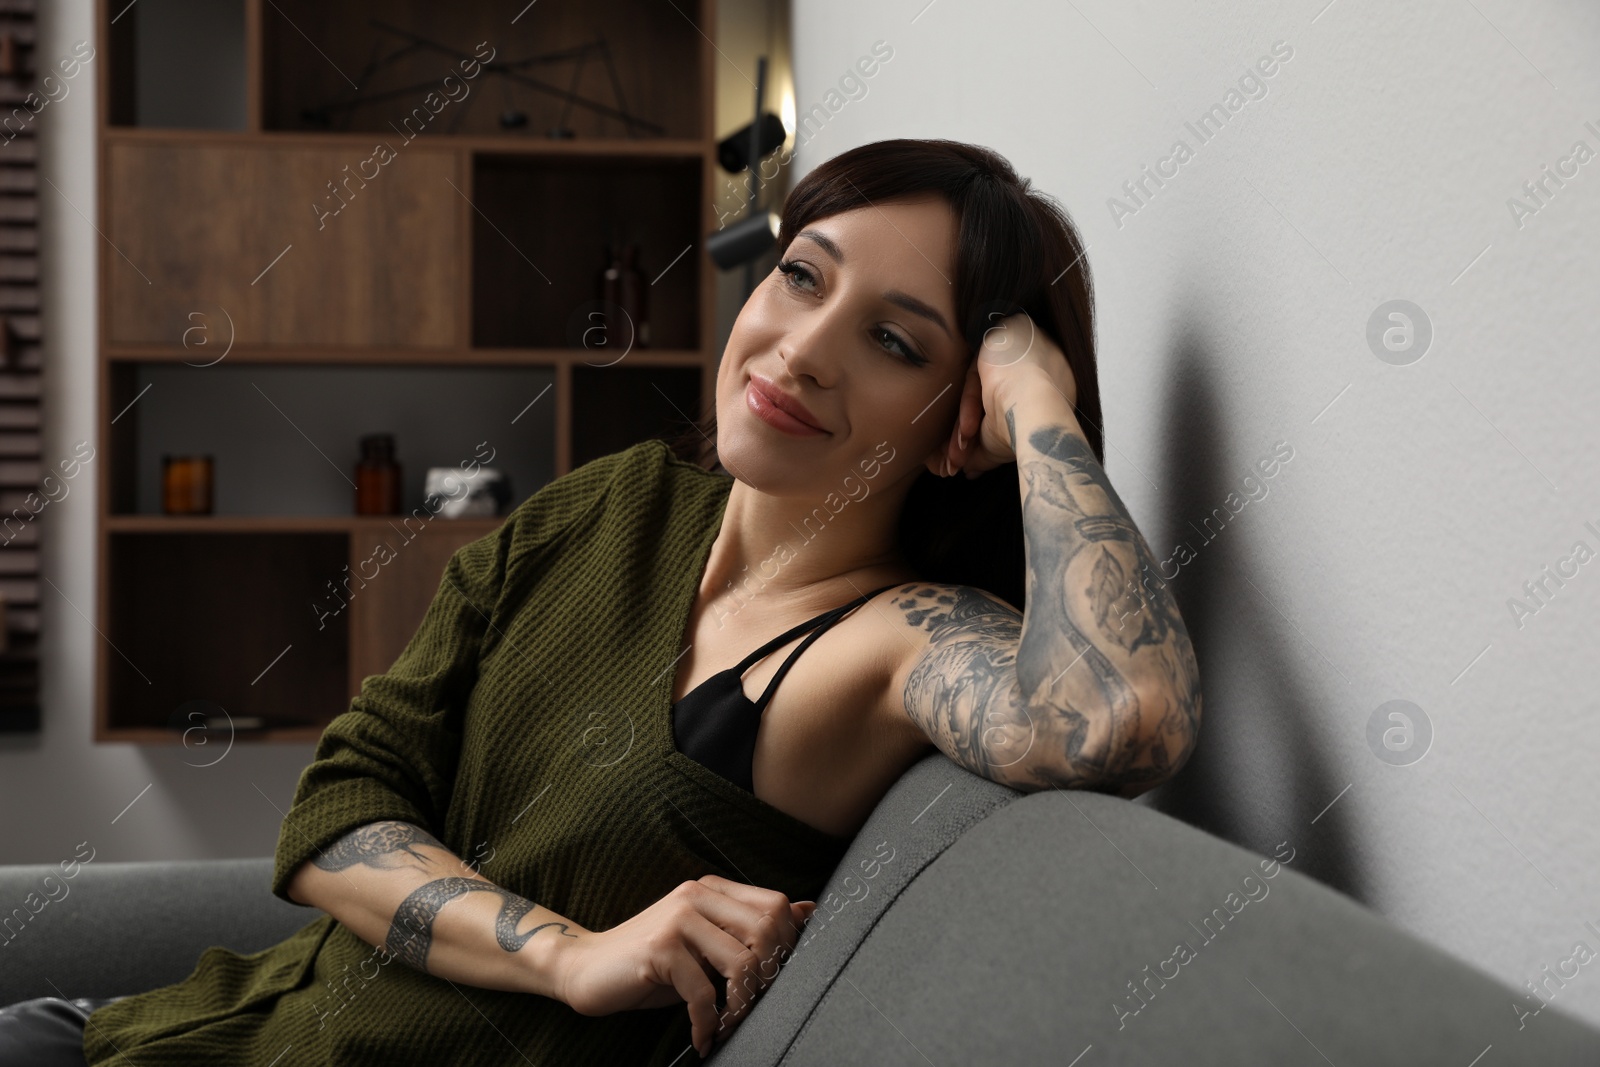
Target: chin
763, 458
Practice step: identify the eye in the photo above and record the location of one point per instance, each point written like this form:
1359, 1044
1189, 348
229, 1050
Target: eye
906, 351
793, 273
792, 270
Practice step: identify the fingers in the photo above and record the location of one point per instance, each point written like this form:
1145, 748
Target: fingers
691, 983
768, 902
731, 959
763, 920
708, 949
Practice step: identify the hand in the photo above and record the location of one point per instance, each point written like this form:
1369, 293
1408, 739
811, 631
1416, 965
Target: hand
673, 950
1015, 354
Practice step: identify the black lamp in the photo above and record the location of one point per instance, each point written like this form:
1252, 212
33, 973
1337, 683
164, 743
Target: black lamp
748, 238
733, 152
744, 240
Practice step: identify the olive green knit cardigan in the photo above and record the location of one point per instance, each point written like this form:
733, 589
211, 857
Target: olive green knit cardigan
527, 726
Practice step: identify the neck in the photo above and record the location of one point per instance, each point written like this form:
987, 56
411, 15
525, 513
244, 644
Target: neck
775, 552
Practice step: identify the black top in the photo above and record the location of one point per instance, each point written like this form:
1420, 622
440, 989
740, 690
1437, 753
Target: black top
715, 724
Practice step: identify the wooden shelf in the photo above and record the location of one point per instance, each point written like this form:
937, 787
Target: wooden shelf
353, 524
285, 436
357, 356
275, 294
151, 736
362, 143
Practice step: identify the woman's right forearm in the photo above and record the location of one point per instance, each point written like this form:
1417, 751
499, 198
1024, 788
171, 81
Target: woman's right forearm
398, 889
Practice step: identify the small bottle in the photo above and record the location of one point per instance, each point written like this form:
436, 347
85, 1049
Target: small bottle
622, 285
186, 485
634, 299
377, 476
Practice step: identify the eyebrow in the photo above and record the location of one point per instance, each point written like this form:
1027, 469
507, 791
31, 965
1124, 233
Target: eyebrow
893, 296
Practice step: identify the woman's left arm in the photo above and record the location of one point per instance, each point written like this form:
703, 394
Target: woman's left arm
1105, 671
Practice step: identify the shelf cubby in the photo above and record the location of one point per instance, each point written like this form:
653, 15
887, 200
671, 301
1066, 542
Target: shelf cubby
224, 618
539, 239
180, 64
329, 66
285, 438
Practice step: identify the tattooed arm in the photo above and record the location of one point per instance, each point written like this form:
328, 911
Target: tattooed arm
398, 889
1097, 685
1103, 643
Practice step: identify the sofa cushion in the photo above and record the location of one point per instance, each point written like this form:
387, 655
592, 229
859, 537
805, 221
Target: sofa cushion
116, 928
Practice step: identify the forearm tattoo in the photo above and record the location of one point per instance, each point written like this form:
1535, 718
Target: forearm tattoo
1100, 688
384, 845
377, 845
411, 933
1093, 595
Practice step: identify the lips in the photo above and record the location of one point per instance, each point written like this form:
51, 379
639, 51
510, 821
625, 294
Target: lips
784, 402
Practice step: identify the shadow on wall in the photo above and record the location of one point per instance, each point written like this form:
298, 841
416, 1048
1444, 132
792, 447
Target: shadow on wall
1260, 772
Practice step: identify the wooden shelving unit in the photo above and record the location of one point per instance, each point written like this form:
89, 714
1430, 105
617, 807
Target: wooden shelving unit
273, 287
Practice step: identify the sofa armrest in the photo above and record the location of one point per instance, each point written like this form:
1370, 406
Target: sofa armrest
1067, 924
117, 928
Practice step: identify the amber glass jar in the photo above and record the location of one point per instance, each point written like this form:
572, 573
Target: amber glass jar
186, 485
377, 476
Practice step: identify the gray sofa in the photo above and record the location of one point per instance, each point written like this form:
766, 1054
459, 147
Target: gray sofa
968, 924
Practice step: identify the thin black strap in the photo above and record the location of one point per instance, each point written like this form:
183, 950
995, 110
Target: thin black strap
781, 640
790, 634
827, 619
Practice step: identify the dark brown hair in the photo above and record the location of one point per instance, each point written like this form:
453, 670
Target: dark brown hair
1017, 250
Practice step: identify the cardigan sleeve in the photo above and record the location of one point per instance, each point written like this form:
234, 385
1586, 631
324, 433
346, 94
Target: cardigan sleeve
393, 753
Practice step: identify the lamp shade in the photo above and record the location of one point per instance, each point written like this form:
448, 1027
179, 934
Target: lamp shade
744, 240
733, 151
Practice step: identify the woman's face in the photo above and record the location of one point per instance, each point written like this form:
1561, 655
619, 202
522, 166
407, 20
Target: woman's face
857, 327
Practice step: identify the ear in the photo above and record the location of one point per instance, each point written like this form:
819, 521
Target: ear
937, 459
971, 395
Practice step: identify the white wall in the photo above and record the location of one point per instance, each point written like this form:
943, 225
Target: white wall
1233, 309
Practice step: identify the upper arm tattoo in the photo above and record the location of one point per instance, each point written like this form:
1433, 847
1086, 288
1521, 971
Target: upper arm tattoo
964, 691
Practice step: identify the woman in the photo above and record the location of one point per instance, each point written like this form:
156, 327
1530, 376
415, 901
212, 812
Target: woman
562, 788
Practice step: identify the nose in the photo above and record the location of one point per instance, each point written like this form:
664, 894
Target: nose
811, 347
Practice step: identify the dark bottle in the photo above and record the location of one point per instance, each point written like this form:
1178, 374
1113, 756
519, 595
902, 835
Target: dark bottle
186, 485
377, 476
622, 285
